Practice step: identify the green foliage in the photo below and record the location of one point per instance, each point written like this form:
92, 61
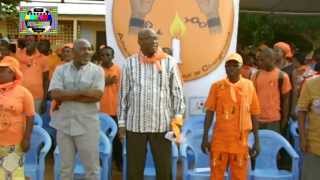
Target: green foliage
302, 31
8, 9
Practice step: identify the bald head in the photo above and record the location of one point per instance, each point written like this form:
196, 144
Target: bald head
148, 42
266, 59
267, 52
79, 43
82, 52
146, 32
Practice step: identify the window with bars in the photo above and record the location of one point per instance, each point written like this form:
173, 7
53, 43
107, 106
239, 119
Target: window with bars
65, 33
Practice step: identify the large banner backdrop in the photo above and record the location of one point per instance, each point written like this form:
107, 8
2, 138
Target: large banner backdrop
200, 32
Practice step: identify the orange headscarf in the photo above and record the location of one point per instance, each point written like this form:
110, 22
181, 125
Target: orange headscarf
155, 59
14, 65
285, 47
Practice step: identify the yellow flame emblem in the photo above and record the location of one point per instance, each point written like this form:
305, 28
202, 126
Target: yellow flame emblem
177, 27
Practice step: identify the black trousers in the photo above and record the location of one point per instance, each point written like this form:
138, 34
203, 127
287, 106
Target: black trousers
117, 148
136, 155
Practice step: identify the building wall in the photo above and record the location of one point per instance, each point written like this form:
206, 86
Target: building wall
3, 28
88, 30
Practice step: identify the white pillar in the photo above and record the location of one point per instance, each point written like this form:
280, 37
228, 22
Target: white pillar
75, 29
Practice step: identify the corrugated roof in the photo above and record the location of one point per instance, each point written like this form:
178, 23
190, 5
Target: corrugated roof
290, 6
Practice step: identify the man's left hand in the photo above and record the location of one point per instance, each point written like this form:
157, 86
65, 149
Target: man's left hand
254, 152
25, 145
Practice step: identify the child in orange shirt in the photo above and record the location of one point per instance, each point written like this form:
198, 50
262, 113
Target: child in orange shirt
16, 119
235, 103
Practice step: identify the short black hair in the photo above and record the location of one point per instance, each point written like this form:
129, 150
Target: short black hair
31, 48
107, 48
21, 43
301, 57
4, 43
12, 48
43, 46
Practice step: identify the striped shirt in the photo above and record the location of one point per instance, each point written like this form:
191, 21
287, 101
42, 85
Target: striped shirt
150, 98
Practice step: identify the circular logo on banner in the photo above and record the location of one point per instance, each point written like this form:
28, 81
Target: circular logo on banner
198, 31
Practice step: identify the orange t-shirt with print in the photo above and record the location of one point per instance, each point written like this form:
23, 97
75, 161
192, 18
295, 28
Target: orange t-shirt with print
226, 134
15, 105
268, 92
109, 100
33, 74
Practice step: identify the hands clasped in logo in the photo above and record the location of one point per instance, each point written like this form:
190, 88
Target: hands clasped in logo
140, 8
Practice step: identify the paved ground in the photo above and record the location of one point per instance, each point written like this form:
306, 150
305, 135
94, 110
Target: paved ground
116, 175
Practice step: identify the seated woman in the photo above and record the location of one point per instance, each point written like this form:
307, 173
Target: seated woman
16, 120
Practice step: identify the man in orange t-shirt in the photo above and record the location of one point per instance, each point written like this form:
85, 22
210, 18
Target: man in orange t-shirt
235, 103
109, 100
36, 73
274, 100
16, 118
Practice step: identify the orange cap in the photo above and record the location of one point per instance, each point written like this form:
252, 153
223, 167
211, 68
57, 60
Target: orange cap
285, 47
13, 64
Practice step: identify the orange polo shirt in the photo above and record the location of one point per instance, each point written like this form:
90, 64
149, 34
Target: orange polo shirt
15, 105
269, 95
33, 74
227, 133
109, 100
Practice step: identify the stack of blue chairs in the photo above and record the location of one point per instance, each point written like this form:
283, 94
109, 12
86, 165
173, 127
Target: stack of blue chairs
37, 120
195, 163
149, 170
35, 157
266, 162
79, 171
109, 127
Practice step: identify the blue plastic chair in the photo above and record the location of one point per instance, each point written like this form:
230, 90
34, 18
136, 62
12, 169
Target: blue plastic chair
79, 170
149, 170
196, 164
37, 120
35, 157
46, 122
192, 123
266, 162
108, 126
294, 131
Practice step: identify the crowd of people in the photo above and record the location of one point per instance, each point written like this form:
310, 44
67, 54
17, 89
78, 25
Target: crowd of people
265, 88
